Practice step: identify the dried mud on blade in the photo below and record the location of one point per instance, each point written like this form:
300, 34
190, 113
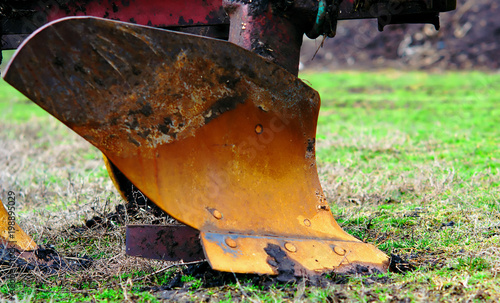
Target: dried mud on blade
216, 136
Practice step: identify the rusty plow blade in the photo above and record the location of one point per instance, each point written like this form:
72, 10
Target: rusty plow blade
216, 136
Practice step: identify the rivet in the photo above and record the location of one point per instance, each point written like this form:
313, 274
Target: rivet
231, 243
339, 250
307, 222
290, 247
259, 129
217, 214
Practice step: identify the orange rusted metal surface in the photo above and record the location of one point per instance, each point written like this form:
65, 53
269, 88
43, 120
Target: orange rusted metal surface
113, 175
217, 137
298, 256
11, 234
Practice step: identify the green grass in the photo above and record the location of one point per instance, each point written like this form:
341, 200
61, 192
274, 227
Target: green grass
409, 161
451, 117
13, 105
61, 294
411, 136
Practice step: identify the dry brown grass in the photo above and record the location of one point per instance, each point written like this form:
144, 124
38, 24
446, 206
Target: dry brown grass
59, 181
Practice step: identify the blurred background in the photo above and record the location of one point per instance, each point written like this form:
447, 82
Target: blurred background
469, 38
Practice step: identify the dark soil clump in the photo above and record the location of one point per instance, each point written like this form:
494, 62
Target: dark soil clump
399, 265
46, 260
202, 277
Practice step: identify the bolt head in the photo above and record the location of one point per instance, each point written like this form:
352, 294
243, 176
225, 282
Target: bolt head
231, 243
217, 214
339, 251
259, 129
290, 247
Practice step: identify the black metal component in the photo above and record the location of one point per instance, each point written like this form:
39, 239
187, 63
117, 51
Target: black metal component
432, 18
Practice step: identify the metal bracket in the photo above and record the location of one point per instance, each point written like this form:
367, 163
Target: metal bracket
164, 242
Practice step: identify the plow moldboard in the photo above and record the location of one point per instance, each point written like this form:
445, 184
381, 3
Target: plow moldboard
216, 136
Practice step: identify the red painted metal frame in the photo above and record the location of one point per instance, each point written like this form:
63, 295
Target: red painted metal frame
23, 17
265, 31
157, 13
20, 18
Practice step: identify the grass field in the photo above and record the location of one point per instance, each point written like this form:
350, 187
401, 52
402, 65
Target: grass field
409, 161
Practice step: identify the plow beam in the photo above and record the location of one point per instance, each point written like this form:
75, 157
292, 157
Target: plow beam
216, 136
